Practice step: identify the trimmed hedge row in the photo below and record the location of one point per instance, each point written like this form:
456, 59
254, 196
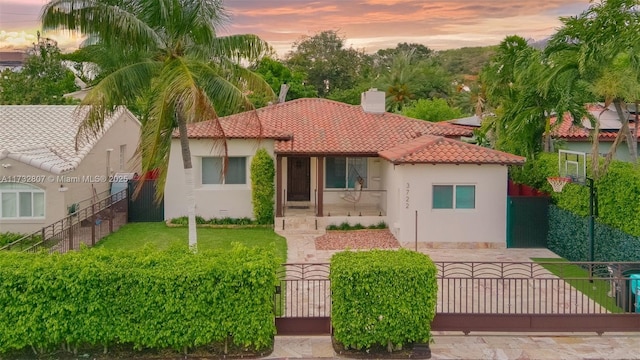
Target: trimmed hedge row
618, 191
146, 299
263, 189
382, 297
569, 238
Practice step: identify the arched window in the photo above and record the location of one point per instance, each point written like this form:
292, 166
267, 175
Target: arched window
19, 200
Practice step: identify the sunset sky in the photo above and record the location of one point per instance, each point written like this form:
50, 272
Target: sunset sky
366, 24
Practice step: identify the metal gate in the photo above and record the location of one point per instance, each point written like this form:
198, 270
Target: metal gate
526, 296
302, 301
527, 221
488, 296
143, 208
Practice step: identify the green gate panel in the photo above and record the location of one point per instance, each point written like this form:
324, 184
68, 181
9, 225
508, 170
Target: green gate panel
143, 208
527, 221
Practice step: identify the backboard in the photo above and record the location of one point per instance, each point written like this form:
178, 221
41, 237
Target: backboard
572, 164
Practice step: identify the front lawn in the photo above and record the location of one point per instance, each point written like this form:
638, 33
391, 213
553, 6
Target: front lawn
135, 235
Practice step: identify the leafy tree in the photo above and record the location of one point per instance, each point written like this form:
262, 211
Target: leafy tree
184, 71
598, 53
466, 60
352, 95
43, 79
328, 64
409, 78
522, 110
275, 73
432, 110
383, 58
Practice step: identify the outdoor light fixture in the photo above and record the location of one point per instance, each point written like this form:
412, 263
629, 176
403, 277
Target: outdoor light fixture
63, 188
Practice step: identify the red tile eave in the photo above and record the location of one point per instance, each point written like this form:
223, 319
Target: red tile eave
505, 163
325, 153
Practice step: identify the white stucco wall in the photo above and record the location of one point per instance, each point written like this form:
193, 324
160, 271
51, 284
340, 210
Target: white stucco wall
212, 201
410, 190
126, 131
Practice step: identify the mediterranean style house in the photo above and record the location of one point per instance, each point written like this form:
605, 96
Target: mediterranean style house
337, 162
577, 137
44, 169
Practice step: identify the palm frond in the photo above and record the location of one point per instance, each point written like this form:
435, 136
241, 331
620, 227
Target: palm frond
238, 48
112, 21
118, 88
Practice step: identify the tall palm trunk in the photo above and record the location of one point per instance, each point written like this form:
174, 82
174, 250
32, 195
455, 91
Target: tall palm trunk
190, 188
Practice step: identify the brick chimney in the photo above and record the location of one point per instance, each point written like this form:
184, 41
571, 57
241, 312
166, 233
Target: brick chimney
373, 101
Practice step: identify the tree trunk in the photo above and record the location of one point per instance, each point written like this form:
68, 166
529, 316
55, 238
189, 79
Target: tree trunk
627, 131
623, 133
547, 133
190, 188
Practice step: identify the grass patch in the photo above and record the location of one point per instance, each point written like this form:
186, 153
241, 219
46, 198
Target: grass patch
134, 236
578, 278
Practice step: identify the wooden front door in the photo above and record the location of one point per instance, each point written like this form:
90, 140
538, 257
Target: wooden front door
298, 178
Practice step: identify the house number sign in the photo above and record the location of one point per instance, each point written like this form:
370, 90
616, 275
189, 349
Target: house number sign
406, 196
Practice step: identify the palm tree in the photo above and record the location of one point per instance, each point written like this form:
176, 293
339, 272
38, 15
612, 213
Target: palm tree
598, 53
184, 72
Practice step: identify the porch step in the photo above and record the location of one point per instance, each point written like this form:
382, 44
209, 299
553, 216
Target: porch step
306, 224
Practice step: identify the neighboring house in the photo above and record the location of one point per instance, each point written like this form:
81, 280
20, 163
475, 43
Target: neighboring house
574, 137
42, 173
410, 170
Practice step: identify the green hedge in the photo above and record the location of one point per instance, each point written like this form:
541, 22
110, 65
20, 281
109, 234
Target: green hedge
382, 297
569, 238
263, 187
618, 191
146, 299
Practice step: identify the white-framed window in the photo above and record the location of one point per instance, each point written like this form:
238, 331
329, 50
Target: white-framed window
343, 172
212, 171
454, 197
19, 200
123, 157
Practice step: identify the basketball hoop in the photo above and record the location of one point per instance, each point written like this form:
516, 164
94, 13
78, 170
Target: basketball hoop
558, 182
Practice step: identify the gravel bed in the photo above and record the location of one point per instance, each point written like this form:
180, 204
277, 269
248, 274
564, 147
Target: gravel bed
356, 239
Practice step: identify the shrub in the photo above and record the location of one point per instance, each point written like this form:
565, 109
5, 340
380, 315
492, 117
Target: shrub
144, 299
263, 187
569, 238
9, 237
346, 226
382, 297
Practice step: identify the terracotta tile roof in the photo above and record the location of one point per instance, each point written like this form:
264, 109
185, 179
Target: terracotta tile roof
321, 126
569, 131
240, 126
44, 136
439, 150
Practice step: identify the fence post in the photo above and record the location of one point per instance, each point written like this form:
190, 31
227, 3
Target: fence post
70, 234
93, 224
112, 214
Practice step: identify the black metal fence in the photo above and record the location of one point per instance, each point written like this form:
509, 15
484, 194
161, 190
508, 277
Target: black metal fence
489, 296
88, 224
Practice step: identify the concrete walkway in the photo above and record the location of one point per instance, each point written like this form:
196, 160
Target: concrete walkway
454, 345
567, 346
